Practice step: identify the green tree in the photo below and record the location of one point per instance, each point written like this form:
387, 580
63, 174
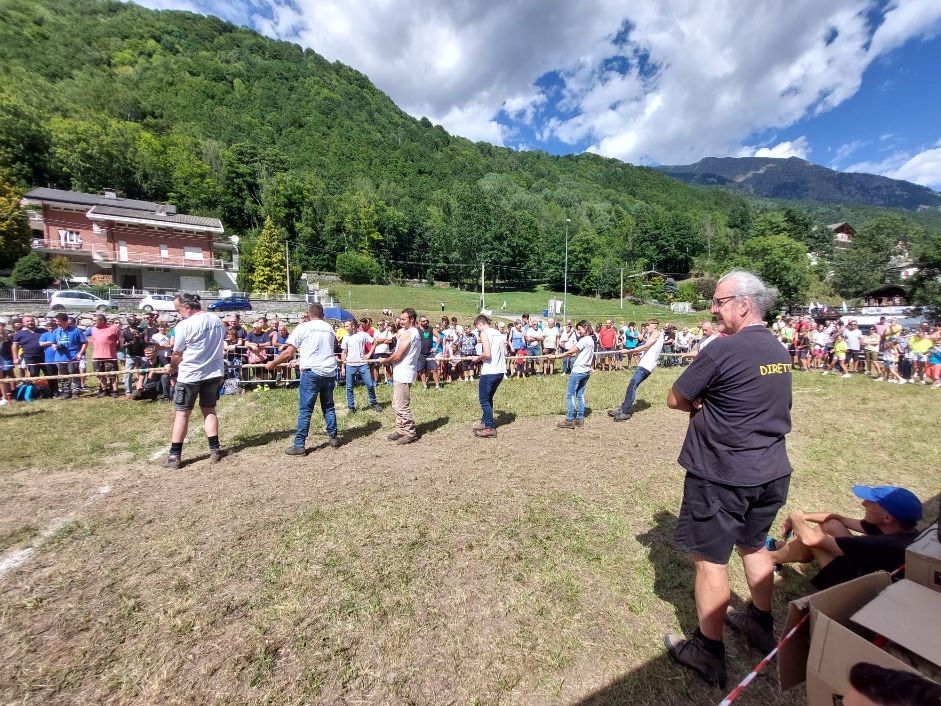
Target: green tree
781, 262
269, 273
926, 283
31, 272
863, 266
15, 234
357, 268
24, 143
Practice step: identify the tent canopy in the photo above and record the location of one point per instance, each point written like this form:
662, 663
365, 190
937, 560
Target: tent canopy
335, 312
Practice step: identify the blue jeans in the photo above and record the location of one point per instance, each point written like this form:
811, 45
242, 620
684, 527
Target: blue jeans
313, 386
575, 396
567, 364
363, 371
486, 389
640, 375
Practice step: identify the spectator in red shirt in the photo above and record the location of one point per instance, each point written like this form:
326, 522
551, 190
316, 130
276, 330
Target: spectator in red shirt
105, 338
607, 338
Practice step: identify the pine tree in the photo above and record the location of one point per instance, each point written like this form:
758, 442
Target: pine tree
269, 272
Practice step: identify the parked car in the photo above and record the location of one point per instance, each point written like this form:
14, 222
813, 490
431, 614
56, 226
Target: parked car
74, 299
234, 303
157, 302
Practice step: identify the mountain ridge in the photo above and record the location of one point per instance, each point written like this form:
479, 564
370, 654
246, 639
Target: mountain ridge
793, 178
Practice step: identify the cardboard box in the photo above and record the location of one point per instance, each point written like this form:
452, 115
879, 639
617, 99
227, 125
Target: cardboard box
923, 560
824, 649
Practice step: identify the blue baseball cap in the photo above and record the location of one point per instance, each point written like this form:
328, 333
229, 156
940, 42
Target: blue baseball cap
901, 503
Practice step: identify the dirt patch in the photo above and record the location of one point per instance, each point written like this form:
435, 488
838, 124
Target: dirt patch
533, 568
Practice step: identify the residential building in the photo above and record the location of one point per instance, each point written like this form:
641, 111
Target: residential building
842, 234
131, 244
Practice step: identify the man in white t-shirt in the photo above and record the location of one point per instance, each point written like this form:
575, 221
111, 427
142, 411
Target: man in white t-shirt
550, 339
198, 361
381, 342
353, 355
404, 360
315, 341
492, 358
649, 353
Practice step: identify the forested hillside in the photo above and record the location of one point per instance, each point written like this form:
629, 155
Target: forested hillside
223, 121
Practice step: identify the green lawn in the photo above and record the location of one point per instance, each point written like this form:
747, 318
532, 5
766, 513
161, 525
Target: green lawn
374, 298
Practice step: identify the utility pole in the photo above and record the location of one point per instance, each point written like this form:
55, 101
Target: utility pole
565, 277
483, 300
287, 265
622, 288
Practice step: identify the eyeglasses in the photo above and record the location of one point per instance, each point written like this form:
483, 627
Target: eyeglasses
720, 302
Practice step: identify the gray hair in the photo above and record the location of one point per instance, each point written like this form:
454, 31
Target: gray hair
747, 285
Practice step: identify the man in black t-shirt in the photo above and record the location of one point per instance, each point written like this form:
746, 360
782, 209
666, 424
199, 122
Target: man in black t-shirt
26, 346
885, 533
738, 396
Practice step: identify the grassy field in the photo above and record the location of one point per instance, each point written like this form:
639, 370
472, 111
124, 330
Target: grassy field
535, 568
374, 298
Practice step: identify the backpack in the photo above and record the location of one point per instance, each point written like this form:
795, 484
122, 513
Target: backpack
231, 387
31, 391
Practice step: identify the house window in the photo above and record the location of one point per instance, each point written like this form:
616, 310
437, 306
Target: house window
192, 253
164, 250
70, 237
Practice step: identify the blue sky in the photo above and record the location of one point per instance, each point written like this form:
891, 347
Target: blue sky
849, 84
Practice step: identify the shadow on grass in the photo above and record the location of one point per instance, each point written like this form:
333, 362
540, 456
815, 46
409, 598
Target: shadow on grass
430, 426
658, 681
360, 432
253, 440
502, 418
674, 575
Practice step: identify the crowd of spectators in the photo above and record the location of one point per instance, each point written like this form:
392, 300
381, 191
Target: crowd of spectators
132, 356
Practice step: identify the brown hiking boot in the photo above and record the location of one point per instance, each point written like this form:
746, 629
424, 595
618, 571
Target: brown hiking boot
566, 424
403, 439
485, 433
694, 655
394, 436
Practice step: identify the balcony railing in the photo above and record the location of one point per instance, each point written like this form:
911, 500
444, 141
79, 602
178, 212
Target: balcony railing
104, 253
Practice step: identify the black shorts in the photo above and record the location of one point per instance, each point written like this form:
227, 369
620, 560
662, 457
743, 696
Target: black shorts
186, 392
104, 366
714, 518
853, 356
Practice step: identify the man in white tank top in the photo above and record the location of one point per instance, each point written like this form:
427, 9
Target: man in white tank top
650, 356
404, 360
492, 371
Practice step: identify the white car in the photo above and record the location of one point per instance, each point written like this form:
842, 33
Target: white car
68, 299
157, 302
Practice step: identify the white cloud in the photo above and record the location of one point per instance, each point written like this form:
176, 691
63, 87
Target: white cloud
844, 151
791, 148
923, 168
720, 71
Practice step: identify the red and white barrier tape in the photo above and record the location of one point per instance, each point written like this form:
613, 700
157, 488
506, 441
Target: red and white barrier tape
750, 677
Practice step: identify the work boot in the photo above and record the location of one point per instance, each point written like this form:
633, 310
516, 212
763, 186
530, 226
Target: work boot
693, 654
579, 423
406, 439
745, 623
485, 433
295, 451
333, 442
172, 462
566, 424
394, 436
614, 412
215, 455
621, 416
377, 407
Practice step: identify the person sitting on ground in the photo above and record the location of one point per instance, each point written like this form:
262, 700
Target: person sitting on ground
884, 533
153, 381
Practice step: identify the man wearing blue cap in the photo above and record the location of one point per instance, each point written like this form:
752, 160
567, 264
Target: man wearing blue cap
883, 535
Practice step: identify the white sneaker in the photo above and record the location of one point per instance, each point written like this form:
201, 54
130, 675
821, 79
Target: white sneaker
3, 403
878, 379
846, 375
826, 372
